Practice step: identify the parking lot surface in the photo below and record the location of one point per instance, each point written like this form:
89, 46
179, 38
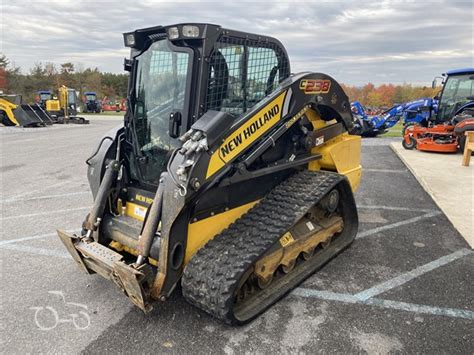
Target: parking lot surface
405, 284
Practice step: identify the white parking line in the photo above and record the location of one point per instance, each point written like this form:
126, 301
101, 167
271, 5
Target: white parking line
377, 302
397, 224
384, 170
65, 210
42, 189
393, 208
408, 276
304, 292
37, 251
33, 237
44, 197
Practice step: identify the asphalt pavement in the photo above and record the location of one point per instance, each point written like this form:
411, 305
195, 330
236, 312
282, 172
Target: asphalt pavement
405, 284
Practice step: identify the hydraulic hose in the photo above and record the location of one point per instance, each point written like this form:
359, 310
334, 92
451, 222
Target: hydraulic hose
145, 240
94, 218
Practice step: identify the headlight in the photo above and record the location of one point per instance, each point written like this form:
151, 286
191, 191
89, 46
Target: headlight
173, 33
129, 39
190, 31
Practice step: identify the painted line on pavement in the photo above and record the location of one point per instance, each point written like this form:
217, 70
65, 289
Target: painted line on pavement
37, 251
42, 190
44, 197
325, 295
33, 237
45, 213
394, 208
381, 303
385, 170
397, 224
410, 275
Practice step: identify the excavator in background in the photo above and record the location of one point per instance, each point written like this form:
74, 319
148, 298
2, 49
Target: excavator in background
15, 113
64, 107
445, 131
49, 102
45, 111
229, 175
43, 96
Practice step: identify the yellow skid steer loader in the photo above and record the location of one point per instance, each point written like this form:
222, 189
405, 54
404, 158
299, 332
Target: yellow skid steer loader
14, 113
229, 174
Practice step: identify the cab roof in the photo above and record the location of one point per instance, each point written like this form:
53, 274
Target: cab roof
206, 31
460, 71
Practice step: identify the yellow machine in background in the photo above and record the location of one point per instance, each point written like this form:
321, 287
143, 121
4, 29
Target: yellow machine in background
64, 107
14, 113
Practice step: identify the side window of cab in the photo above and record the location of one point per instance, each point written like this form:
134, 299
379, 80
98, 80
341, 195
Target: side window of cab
241, 75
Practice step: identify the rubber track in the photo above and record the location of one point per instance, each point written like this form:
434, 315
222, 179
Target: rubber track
213, 273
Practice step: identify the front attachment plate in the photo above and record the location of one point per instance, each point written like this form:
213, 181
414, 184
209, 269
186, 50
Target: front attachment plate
93, 257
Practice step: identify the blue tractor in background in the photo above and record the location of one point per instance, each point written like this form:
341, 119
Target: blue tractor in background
362, 123
413, 112
91, 103
43, 96
419, 112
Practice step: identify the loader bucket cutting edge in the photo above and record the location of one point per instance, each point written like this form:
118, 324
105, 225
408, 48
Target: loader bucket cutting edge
93, 257
26, 116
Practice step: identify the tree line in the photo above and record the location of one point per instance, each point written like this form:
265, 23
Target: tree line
49, 76
387, 95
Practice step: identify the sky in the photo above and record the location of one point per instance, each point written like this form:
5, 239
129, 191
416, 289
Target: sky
355, 42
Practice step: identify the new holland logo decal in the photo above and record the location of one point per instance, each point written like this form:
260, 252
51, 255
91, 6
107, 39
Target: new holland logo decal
246, 134
315, 86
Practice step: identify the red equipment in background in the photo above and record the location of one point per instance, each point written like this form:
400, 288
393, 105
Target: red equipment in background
113, 105
446, 130
438, 138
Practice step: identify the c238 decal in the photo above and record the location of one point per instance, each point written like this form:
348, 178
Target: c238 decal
315, 86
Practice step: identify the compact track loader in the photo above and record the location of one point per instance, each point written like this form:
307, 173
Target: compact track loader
229, 175
14, 113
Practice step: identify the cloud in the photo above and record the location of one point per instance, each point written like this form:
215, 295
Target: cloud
356, 42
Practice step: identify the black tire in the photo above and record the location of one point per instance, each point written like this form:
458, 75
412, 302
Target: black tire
410, 145
405, 127
4, 119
